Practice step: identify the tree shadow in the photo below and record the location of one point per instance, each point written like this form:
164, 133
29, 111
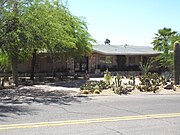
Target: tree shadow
69, 83
8, 110
16, 101
31, 95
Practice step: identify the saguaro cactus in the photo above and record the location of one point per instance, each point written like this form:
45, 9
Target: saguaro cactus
176, 63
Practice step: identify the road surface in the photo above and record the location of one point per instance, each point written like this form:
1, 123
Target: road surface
95, 115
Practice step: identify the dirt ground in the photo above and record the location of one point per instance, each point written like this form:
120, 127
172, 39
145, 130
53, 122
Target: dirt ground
61, 91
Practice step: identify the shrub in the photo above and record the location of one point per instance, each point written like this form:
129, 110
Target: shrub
93, 85
85, 92
96, 91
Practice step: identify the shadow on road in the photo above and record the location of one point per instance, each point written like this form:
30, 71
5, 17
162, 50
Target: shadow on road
9, 110
16, 101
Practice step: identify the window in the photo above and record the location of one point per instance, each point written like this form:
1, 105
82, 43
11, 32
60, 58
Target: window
102, 59
106, 59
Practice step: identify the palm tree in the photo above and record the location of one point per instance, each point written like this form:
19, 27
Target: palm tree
163, 39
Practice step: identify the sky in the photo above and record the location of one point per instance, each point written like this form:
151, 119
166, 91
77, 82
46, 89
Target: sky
132, 22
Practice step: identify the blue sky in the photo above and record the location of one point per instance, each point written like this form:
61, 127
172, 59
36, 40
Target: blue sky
132, 22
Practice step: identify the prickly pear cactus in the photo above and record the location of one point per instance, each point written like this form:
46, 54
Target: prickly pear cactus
176, 63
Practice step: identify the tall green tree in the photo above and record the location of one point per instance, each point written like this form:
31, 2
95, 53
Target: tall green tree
163, 41
30, 26
59, 32
12, 34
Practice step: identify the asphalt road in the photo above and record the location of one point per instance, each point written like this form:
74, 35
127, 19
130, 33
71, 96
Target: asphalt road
97, 115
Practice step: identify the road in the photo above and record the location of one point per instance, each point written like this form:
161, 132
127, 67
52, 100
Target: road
95, 115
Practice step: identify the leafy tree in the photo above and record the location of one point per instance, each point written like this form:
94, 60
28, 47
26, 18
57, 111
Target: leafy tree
30, 26
107, 42
4, 62
163, 41
61, 33
12, 34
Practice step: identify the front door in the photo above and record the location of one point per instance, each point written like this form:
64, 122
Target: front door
81, 65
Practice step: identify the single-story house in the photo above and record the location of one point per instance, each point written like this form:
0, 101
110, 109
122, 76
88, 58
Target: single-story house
116, 57
113, 57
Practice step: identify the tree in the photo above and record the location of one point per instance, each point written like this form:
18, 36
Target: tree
30, 26
4, 62
12, 34
107, 42
163, 41
62, 33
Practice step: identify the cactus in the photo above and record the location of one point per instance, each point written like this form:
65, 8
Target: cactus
118, 80
134, 80
176, 62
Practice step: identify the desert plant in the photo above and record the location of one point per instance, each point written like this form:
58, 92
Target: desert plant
123, 89
118, 80
96, 91
93, 85
107, 77
85, 92
166, 76
149, 82
118, 90
132, 80
145, 67
176, 62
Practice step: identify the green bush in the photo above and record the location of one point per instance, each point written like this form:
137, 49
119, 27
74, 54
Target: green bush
94, 85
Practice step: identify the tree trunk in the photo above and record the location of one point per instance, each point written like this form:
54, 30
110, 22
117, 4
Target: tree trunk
33, 64
14, 62
176, 63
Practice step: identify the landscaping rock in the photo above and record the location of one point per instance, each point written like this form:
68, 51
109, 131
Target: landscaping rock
129, 87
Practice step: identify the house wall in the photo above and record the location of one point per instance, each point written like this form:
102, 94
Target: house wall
43, 64
132, 60
24, 66
95, 61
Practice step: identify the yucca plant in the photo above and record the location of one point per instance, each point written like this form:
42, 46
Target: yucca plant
107, 77
145, 67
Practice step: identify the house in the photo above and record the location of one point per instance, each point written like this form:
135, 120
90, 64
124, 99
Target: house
116, 57
113, 57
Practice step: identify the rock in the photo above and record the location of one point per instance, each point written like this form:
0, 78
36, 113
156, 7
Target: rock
169, 85
176, 88
129, 88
